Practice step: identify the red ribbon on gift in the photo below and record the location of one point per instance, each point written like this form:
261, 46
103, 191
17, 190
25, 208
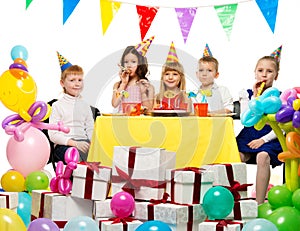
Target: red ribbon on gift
235, 186
116, 220
197, 179
42, 204
7, 200
89, 177
134, 184
154, 202
223, 223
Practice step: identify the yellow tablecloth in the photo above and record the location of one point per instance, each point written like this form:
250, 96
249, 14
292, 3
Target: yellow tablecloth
196, 140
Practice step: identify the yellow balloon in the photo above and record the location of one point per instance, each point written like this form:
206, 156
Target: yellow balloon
11, 221
13, 181
296, 104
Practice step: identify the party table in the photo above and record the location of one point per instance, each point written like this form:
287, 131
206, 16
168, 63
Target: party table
196, 140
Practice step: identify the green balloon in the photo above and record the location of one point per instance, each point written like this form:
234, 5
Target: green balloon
264, 210
36, 180
286, 218
296, 199
279, 196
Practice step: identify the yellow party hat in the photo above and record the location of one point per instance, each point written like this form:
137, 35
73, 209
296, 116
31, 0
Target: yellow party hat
207, 51
172, 56
143, 46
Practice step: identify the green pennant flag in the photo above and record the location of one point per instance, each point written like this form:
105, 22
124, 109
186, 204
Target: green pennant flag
226, 14
28, 3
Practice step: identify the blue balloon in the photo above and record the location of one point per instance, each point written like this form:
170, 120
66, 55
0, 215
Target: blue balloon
24, 207
218, 202
154, 225
256, 107
19, 51
271, 104
249, 119
271, 91
81, 223
259, 224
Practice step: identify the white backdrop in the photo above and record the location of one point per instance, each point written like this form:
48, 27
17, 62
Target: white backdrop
80, 40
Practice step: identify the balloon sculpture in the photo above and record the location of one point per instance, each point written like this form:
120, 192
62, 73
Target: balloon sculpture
28, 149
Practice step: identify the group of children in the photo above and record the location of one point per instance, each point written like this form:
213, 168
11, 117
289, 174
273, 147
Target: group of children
260, 147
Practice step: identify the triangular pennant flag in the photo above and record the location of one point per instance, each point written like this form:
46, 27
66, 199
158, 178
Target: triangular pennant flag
185, 18
68, 8
207, 51
277, 53
143, 46
226, 14
28, 3
172, 55
269, 11
108, 10
146, 16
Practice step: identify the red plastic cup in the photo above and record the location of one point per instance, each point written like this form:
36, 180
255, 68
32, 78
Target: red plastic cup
131, 109
200, 109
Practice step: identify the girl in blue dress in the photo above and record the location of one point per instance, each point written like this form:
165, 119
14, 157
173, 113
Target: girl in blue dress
261, 147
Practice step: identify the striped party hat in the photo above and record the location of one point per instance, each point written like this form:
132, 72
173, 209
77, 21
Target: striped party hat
63, 62
172, 56
277, 53
143, 46
207, 51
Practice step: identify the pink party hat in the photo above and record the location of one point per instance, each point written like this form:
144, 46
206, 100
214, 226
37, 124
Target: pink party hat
172, 56
207, 51
63, 62
143, 46
277, 53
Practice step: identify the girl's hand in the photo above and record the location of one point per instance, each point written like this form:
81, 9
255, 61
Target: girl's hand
124, 74
256, 87
144, 85
254, 144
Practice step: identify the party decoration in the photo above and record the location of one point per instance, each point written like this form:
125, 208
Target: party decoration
36, 180
280, 196
43, 224
286, 218
81, 223
10, 221
185, 18
269, 11
19, 51
24, 207
226, 14
68, 8
172, 55
153, 225
28, 2
143, 46
259, 224
277, 53
61, 182
63, 62
108, 11
31, 154
146, 16
122, 204
218, 202
264, 210
207, 51
13, 181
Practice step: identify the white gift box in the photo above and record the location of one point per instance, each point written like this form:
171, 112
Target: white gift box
143, 167
229, 225
88, 184
107, 225
169, 213
102, 209
193, 226
9, 200
188, 186
244, 210
229, 174
59, 207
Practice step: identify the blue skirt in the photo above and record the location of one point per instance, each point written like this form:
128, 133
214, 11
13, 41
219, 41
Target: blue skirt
273, 147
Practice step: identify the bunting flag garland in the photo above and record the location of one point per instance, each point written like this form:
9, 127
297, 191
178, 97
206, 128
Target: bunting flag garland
68, 8
226, 14
146, 16
269, 11
185, 18
28, 2
108, 10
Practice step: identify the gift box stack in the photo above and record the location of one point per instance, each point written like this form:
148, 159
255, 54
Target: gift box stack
233, 177
9, 200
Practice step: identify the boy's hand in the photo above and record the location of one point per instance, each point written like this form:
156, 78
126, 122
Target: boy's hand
82, 146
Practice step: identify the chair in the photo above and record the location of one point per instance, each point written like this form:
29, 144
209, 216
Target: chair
95, 112
237, 110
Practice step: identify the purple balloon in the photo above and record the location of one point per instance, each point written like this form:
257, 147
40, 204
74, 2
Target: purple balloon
18, 66
42, 224
285, 114
296, 119
290, 100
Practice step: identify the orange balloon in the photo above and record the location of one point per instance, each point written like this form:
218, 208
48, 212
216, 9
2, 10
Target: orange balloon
21, 61
13, 181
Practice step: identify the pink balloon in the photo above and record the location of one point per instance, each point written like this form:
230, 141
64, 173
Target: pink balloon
122, 204
29, 155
